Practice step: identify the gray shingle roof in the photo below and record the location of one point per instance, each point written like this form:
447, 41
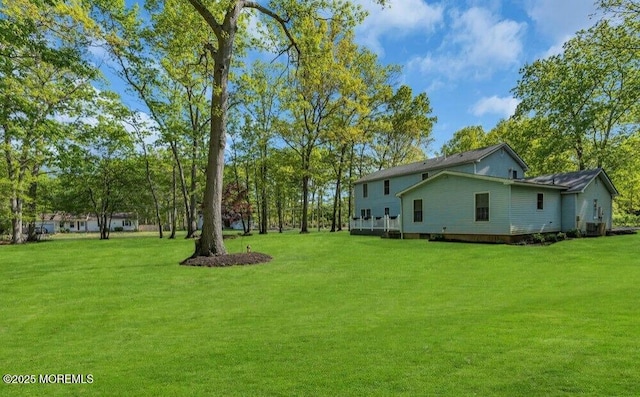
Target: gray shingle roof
440, 163
576, 181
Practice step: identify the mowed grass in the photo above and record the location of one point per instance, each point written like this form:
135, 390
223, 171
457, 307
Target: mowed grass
331, 315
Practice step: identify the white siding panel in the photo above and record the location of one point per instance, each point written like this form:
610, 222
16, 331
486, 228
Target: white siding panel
596, 190
499, 164
377, 201
449, 202
526, 218
569, 212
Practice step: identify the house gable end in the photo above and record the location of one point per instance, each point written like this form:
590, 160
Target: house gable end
441, 163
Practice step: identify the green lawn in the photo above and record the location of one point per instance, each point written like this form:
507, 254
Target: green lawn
332, 315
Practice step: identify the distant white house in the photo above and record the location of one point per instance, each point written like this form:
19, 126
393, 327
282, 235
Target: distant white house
63, 222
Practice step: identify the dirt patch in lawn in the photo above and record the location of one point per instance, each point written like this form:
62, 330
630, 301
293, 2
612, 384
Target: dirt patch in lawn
239, 259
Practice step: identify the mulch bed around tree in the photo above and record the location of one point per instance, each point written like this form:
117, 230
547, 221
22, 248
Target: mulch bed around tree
240, 259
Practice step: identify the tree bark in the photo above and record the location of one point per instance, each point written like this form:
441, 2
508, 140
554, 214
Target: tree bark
33, 208
174, 209
336, 224
263, 192
211, 242
279, 208
192, 215
16, 220
154, 195
304, 223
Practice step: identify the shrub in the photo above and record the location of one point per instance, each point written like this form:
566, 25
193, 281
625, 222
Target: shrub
551, 237
118, 229
561, 236
574, 233
538, 238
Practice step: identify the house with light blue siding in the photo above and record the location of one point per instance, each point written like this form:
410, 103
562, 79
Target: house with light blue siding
480, 195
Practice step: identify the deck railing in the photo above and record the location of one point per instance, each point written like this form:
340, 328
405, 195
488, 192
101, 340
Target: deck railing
385, 223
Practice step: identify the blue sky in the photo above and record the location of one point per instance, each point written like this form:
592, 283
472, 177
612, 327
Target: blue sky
465, 54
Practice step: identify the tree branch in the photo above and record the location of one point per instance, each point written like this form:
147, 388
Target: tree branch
283, 22
208, 16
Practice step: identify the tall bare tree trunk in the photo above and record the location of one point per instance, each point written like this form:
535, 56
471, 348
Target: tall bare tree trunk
174, 209
336, 224
304, 223
33, 207
279, 208
211, 242
192, 214
16, 220
264, 223
152, 188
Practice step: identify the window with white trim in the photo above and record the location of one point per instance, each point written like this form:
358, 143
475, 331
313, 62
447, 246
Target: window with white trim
417, 210
482, 207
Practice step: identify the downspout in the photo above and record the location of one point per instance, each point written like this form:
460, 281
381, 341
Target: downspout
401, 219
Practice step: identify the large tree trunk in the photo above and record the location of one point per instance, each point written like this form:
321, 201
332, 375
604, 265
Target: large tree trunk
211, 242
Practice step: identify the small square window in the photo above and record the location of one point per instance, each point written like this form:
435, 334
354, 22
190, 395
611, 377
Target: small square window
514, 174
425, 175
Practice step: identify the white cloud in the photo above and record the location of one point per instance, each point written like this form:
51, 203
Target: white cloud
503, 106
485, 39
560, 20
557, 19
399, 18
479, 44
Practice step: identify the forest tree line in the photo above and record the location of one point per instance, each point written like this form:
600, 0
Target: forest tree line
304, 121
